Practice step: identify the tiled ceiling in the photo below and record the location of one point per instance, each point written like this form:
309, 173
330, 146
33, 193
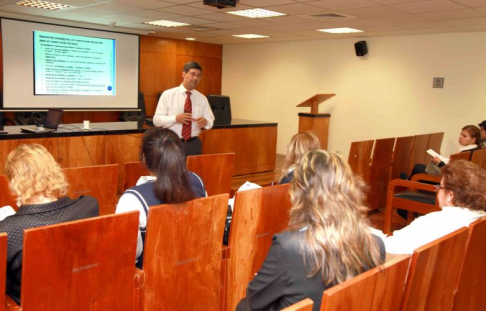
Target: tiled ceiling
212, 25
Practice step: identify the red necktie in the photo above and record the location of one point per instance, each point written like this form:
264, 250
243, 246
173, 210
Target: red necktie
186, 128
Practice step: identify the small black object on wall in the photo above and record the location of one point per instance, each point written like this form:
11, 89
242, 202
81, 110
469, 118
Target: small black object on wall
361, 48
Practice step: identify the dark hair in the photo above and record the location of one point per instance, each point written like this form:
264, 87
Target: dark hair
466, 181
483, 124
473, 131
191, 65
163, 156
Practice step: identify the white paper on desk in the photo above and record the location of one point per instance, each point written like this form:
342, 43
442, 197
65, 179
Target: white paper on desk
246, 186
6, 211
435, 154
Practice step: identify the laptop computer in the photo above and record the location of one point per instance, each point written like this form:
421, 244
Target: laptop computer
52, 122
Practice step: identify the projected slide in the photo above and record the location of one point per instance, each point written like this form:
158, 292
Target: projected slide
73, 65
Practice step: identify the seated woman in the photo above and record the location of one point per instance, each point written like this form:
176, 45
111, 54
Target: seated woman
468, 140
40, 186
298, 146
462, 198
163, 155
329, 241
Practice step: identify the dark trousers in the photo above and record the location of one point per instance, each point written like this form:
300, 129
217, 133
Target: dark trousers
193, 147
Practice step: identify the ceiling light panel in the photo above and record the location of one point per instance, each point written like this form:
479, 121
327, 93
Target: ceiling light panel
163, 23
52, 6
256, 13
251, 36
340, 30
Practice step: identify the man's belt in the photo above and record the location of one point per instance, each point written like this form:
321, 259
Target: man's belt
185, 141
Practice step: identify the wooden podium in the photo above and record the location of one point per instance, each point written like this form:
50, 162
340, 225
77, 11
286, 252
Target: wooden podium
314, 121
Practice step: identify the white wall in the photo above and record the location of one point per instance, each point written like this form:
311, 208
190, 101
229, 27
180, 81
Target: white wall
384, 94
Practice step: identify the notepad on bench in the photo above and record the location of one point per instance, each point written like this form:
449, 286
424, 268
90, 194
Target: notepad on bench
6, 211
435, 154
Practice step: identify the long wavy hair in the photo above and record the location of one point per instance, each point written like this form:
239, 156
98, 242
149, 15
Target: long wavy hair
163, 155
298, 146
327, 198
32, 172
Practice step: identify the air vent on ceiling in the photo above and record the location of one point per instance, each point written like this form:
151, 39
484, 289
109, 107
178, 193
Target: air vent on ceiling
329, 16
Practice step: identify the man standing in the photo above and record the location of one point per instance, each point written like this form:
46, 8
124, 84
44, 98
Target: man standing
185, 111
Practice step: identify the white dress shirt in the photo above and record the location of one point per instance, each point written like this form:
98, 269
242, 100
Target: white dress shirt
430, 227
172, 103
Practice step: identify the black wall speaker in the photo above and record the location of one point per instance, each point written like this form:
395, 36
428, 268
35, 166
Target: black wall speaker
361, 48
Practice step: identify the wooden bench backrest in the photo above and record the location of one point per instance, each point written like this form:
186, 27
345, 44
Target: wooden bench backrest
435, 141
182, 255
133, 171
360, 157
258, 215
469, 293
419, 150
6, 197
216, 171
380, 172
80, 265
303, 305
98, 181
401, 156
460, 156
3, 268
479, 158
378, 289
434, 272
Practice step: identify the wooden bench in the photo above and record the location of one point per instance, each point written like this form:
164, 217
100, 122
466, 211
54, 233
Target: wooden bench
258, 215
81, 265
303, 305
98, 181
182, 255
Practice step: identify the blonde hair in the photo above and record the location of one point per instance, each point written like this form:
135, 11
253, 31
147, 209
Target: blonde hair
327, 199
32, 171
298, 146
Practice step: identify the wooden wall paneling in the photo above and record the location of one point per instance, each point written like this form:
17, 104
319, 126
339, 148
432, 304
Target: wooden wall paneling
8, 145
380, 172
150, 105
157, 73
254, 147
120, 149
214, 76
214, 51
158, 45
92, 116
401, 156
81, 151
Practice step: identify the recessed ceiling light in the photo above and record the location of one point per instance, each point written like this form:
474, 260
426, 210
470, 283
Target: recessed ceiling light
163, 23
44, 5
251, 36
256, 13
191, 39
340, 30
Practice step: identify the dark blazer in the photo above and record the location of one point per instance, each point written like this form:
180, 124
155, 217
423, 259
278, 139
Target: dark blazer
38, 215
282, 280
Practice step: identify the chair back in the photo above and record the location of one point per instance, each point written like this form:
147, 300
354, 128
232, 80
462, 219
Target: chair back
469, 293
303, 305
360, 157
434, 272
419, 150
98, 181
221, 107
182, 255
6, 197
401, 156
80, 265
479, 158
133, 171
435, 141
380, 172
3, 268
258, 215
216, 171
460, 156
378, 289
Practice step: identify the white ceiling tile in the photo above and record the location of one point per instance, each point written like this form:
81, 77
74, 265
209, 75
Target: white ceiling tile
264, 3
129, 18
343, 5
374, 12
184, 10
428, 6
472, 3
466, 21
296, 9
156, 15
182, 1
287, 20
465, 13
23, 9
223, 17
116, 8
191, 20
224, 25
201, 5
145, 4
482, 9
253, 22
421, 24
